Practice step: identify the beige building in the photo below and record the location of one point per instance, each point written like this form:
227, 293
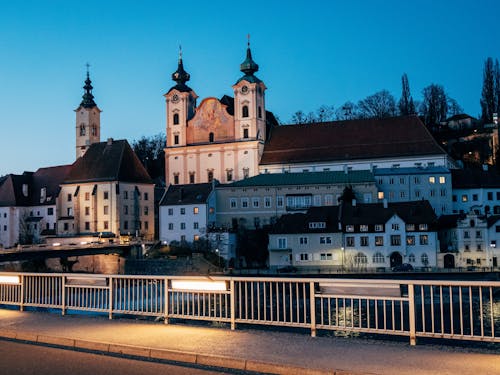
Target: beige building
220, 139
262, 199
107, 191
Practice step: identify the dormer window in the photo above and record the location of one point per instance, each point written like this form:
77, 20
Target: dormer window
244, 111
176, 119
25, 190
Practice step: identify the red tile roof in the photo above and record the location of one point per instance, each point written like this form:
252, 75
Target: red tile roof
348, 140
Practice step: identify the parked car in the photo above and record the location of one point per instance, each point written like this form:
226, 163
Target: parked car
404, 267
287, 269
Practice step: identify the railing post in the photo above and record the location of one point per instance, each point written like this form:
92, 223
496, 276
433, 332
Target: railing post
166, 302
232, 300
110, 299
411, 314
63, 295
21, 305
312, 301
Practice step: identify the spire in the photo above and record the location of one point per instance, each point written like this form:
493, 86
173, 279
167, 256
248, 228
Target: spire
180, 75
249, 67
88, 98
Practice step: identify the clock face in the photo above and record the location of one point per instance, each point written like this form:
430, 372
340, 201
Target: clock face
244, 89
175, 98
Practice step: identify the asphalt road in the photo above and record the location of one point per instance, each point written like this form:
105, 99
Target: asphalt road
25, 359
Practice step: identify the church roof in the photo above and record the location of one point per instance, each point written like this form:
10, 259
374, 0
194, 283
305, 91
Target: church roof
305, 178
350, 140
108, 161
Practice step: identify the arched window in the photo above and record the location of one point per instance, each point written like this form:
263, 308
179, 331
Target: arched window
211, 137
244, 111
176, 119
360, 258
82, 129
378, 258
425, 259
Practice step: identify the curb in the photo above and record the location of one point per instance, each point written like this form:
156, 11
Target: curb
172, 355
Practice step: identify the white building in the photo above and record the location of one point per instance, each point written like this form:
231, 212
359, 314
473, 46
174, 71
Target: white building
477, 190
186, 212
357, 237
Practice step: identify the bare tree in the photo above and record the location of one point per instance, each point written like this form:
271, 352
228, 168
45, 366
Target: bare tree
406, 105
150, 151
325, 113
379, 105
488, 102
434, 106
347, 111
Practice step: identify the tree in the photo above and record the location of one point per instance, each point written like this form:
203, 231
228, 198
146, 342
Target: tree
379, 105
454, 108
150, 151
434, 106
298, 118
325, 113
347, 111
406, 105
488, 100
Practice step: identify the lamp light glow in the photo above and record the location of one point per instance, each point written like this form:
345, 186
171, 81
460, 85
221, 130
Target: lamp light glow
199, 285
9, 279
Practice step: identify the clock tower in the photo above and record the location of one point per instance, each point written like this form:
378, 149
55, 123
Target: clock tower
88, 120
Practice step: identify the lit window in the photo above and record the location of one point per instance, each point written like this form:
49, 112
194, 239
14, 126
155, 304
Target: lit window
363, 228
432, 180
349, 228
442, 179
410, 240
379, 228
196, 210
379, 241
424, 239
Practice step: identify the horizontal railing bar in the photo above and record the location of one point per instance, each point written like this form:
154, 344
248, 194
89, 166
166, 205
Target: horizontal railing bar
364, 298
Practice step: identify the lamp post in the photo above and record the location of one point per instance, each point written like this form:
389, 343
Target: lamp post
218, 256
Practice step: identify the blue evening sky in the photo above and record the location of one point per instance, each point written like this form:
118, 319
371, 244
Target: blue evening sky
310, 53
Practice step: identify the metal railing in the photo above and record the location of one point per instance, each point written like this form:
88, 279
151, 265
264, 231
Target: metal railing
462, 310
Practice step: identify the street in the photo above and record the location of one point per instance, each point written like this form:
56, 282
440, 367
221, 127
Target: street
24, 359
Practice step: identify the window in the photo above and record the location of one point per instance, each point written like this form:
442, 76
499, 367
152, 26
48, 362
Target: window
244, 202
210, 175
364, 241
349, 241
196, 210
422, 226
267, 202
183, 238
402, 181
391, 181
66, 226
417, 193
379, 228
50, 211
183, 211
125, 224
298, 202
410, 240
317, 225
466, 234
433, 193
125, 195
87, 196
475, 197
380, 195
176, 139
244, 111
416, 180
170, 211
349, 228
87, 211
303, 240
196, 225
146, 210
246, 172
424, 239
395, 240
379, 241
498, 195
410, 227
106, 210
211, 137
281, 243
490, 195
183, 226
69, 211
170, 226
5, 228
146, 196
106, 195
465, 198
245, 133
479, 248
478, 234
378, 258
304, 257
176, 119
82, 129
411, 258
279, 201
106, 225
425, 259
360, 258
363, 228
229, 175
191, 177
87, 225
325, 240
326, 256
402, 194
432, 180
259, 112
255, 202
395, 226
232, 202
70, 197
442, 179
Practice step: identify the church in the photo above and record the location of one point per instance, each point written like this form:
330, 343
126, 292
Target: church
233, 138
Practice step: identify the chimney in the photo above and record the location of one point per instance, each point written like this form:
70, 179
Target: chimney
385, 203
110, 141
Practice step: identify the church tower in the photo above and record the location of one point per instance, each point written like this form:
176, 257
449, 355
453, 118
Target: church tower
88, 120
181, 103
249, 102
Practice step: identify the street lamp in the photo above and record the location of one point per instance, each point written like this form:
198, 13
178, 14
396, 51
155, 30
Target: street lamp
218, 256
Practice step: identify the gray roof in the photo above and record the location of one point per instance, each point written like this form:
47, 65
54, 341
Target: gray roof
305, 178
186, 194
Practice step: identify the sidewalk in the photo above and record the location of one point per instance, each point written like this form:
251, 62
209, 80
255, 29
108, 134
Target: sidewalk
245, 349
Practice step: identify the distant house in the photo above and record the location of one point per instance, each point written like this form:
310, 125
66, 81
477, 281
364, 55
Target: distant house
356, 237
460, 121
107, 191
28, 205
477, 190
186, 212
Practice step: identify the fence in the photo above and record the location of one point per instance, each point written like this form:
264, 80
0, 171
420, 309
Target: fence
461, 310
